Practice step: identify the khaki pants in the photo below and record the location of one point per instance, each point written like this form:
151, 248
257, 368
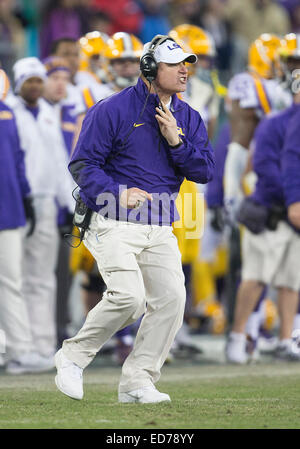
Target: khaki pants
141, 266
272, 257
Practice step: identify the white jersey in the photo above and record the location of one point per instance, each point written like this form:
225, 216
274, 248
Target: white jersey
45, 156
262, 95
74, 100
81, 98
85, 78
202, 97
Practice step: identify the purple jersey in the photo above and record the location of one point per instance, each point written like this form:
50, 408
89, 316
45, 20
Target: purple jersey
269, 138
215, 190
13, 183
291, 160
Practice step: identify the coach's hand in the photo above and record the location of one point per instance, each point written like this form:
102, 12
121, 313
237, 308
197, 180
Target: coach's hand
168, 125
133, 198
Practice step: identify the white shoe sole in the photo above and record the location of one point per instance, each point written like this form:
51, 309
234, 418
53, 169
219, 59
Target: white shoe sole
127, 398
78, 398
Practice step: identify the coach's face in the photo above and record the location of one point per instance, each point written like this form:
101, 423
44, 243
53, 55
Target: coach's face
172, 78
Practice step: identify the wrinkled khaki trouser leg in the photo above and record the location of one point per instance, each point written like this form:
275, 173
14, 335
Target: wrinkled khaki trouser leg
141, 266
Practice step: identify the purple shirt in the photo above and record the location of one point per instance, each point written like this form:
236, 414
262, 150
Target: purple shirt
13, 183
68, 124
291, 160
34, 110
111, 152
269, 137
215, 189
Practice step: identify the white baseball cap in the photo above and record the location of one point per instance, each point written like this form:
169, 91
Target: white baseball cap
170, 52
26, 68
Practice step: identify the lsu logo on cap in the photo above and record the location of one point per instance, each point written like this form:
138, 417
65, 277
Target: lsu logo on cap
173, 46
4, 84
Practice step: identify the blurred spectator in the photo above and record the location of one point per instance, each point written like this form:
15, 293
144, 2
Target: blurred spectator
86, 11
28, 11
60, 19
12, 36
213, 20
155, 19
40, 137
296, 19
184, 11
290, 5
251, 18
125, 15
100, 21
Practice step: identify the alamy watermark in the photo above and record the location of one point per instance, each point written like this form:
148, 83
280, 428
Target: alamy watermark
185, 210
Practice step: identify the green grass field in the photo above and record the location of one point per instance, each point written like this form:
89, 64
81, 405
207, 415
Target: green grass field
204, 396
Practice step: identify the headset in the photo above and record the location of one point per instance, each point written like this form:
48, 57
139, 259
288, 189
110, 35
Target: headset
148, 64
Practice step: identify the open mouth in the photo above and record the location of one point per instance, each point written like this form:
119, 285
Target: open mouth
183, 79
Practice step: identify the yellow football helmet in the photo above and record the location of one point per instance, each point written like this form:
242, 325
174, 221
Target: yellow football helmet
262, 55
290, 46
123, 45
92, 44
4, 84
289, 60
195, 39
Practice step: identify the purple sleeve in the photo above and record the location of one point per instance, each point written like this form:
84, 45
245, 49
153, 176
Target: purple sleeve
266, 161
195, 157
20, 164
291, 160
215, 189
92, 149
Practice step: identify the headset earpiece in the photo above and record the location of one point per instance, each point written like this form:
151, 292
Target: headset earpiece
149, 67
148, 64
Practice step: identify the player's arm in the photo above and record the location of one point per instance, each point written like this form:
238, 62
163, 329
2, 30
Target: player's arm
243, 123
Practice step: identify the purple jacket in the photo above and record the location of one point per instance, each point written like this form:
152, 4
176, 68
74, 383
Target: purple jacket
215, 191
270, 136
112, 152
13, 183
291, 160
68, 124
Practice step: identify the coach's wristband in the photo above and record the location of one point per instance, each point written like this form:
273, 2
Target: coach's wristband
177, 145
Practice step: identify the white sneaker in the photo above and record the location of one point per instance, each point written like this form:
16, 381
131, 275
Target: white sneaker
145, 395
235, 349
30, 362
69, 376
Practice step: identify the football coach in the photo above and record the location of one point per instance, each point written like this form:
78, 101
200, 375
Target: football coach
134, 151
